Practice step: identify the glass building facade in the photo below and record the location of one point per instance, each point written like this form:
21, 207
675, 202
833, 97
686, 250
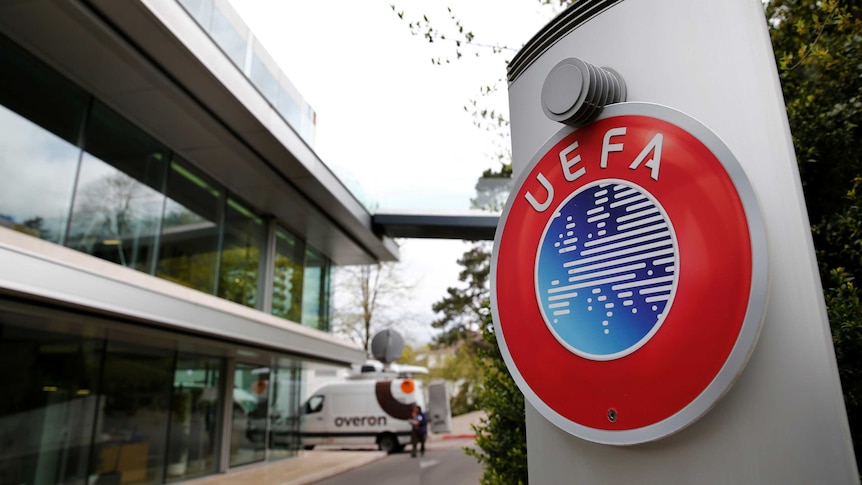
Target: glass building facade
76, 173
87, 397
106, 397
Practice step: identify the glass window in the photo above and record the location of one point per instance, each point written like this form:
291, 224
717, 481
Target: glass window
200, 10
289, 110
244, 240
131, 429
48, 382
308, 125
118, 200
250, 412
75, 411
287, 276
264, 80
315, 291
227, 36
188, 249
284, 409
195, 410
40, 120
314, 405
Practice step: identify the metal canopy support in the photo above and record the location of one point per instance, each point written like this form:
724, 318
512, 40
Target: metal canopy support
469, 226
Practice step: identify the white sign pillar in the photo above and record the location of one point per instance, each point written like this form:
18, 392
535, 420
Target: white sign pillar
783, 420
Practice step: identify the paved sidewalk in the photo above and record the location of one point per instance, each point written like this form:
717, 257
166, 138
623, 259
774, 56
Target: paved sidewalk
324, 461
308, 467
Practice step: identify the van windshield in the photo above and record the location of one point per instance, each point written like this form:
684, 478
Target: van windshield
314, 404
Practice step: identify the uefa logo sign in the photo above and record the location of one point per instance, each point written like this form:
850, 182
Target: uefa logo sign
605, 270
629, 275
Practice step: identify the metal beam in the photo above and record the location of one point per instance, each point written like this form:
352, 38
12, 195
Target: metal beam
472, 226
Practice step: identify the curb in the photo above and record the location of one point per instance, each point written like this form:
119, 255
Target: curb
459, 436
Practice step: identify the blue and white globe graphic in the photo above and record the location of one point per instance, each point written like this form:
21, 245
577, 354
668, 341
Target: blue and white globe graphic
606, 270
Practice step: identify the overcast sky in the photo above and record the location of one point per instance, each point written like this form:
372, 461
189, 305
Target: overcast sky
390, 119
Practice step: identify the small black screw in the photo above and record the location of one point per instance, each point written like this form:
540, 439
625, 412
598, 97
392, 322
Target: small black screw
612, 415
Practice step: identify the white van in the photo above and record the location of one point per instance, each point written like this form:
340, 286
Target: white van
368, 410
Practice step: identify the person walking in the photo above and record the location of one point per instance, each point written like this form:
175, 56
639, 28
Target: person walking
418, 431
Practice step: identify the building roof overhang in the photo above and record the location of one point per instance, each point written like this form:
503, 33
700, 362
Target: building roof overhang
151, 62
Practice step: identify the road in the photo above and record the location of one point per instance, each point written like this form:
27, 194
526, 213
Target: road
444, 463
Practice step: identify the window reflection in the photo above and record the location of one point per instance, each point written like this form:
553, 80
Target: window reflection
249, 415
289, 109
188, 251
79, 409
132, 426
284, 409
40, 120
315, 291
244, 240
74, 172
223, 26
195, 411
287, 276
118, 200
48, 382
32, 157
226, 33
263, 79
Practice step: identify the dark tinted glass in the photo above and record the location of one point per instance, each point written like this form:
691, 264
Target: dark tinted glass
40, 120
188, 251
250, 414
244, 237
195, 424
49, 385
315, 291
118, 200
287, 276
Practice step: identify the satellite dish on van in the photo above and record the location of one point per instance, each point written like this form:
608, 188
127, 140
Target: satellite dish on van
387, 345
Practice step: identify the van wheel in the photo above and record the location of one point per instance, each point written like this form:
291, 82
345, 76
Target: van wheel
387, 443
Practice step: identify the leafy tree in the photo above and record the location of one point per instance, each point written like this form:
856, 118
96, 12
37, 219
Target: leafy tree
818, 45
501, 435
416, 356
463, 370
463, 308
413, 356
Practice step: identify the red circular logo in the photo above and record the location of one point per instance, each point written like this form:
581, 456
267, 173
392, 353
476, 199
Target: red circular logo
629, 275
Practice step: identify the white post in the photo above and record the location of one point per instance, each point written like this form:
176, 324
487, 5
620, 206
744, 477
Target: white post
783, 421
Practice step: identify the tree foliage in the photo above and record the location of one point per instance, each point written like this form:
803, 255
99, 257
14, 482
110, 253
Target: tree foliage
462, 368
818, 45
463, 307
501, 435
